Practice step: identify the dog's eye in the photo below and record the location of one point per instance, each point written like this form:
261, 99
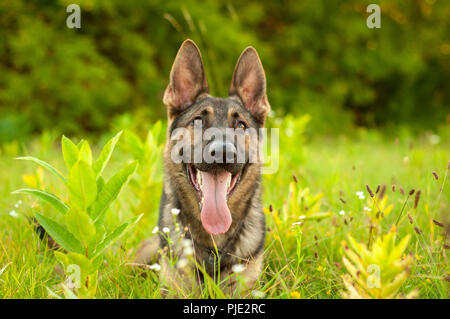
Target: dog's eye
197, 122
241, 125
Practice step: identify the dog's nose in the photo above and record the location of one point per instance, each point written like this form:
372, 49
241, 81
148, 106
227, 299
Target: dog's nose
223, 152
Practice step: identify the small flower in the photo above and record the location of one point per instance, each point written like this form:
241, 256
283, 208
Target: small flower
320, 268
238, 268
360, 195
175, 211
13, 214
295, 295
155, 230
301, 217
367, 209
182, 263
297, 223
166, 230
155, 267
342, 213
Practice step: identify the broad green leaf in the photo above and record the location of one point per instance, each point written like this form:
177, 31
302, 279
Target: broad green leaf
105, 154
85, 153
80, 143
100, 184
111, 189
80, 225
82, 261
62, 258
82, 185
132, 144
115, 234
70, 152
45, 165
59, 233
48, 197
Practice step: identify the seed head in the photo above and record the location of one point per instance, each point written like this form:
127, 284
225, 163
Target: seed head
411, 192
436, 176
370, 191
383, 191
416, 199
438, 223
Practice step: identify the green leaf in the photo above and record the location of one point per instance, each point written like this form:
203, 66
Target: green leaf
48, 197
45, 165
70, 152
82, 185
82, 261
80, 143
115, 234
80, 225
111, 189
105, 154
59, 233
85, 153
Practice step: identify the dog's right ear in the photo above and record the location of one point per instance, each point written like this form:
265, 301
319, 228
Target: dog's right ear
187, 79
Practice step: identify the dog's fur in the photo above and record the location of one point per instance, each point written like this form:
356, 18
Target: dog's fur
187, 98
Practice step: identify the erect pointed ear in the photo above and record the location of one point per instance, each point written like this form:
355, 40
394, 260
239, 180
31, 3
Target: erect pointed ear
187, 79
249, 84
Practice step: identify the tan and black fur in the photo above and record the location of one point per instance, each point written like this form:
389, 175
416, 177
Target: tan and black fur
187, 98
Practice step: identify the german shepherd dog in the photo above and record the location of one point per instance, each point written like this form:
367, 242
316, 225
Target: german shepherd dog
215, 206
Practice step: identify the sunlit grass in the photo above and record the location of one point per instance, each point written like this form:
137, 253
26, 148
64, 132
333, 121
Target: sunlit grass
333, 171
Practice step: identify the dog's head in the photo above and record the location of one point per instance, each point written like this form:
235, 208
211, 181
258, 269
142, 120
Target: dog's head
220, 134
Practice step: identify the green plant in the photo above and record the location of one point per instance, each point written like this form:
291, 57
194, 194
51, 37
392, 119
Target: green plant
377, 272
148, 178
80, 230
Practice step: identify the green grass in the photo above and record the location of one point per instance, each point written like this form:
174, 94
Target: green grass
333, 170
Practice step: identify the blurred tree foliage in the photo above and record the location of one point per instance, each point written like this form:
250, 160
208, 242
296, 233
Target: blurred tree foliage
320, 58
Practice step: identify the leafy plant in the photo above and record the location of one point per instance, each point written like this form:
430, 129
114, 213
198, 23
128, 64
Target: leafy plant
377, 272
81, 231
148, 178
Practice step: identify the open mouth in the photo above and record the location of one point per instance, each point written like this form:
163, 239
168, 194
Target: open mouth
213, 190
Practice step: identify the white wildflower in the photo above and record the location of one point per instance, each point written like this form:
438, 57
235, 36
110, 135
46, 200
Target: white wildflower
175, 211
182, 263
238, 268
297, 223
155, 267
13, 214
301, 217
342, 213
155, 230
166, 230
367, 209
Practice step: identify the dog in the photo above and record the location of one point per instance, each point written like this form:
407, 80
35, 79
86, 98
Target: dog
213, 208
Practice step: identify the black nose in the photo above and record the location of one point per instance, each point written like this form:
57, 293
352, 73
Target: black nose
223, 152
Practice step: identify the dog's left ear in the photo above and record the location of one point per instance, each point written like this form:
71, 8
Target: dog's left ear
187, 79
249, 84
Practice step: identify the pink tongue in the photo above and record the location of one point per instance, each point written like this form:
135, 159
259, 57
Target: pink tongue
215, 215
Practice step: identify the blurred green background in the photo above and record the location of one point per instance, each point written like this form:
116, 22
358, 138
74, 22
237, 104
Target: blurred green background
320, 58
